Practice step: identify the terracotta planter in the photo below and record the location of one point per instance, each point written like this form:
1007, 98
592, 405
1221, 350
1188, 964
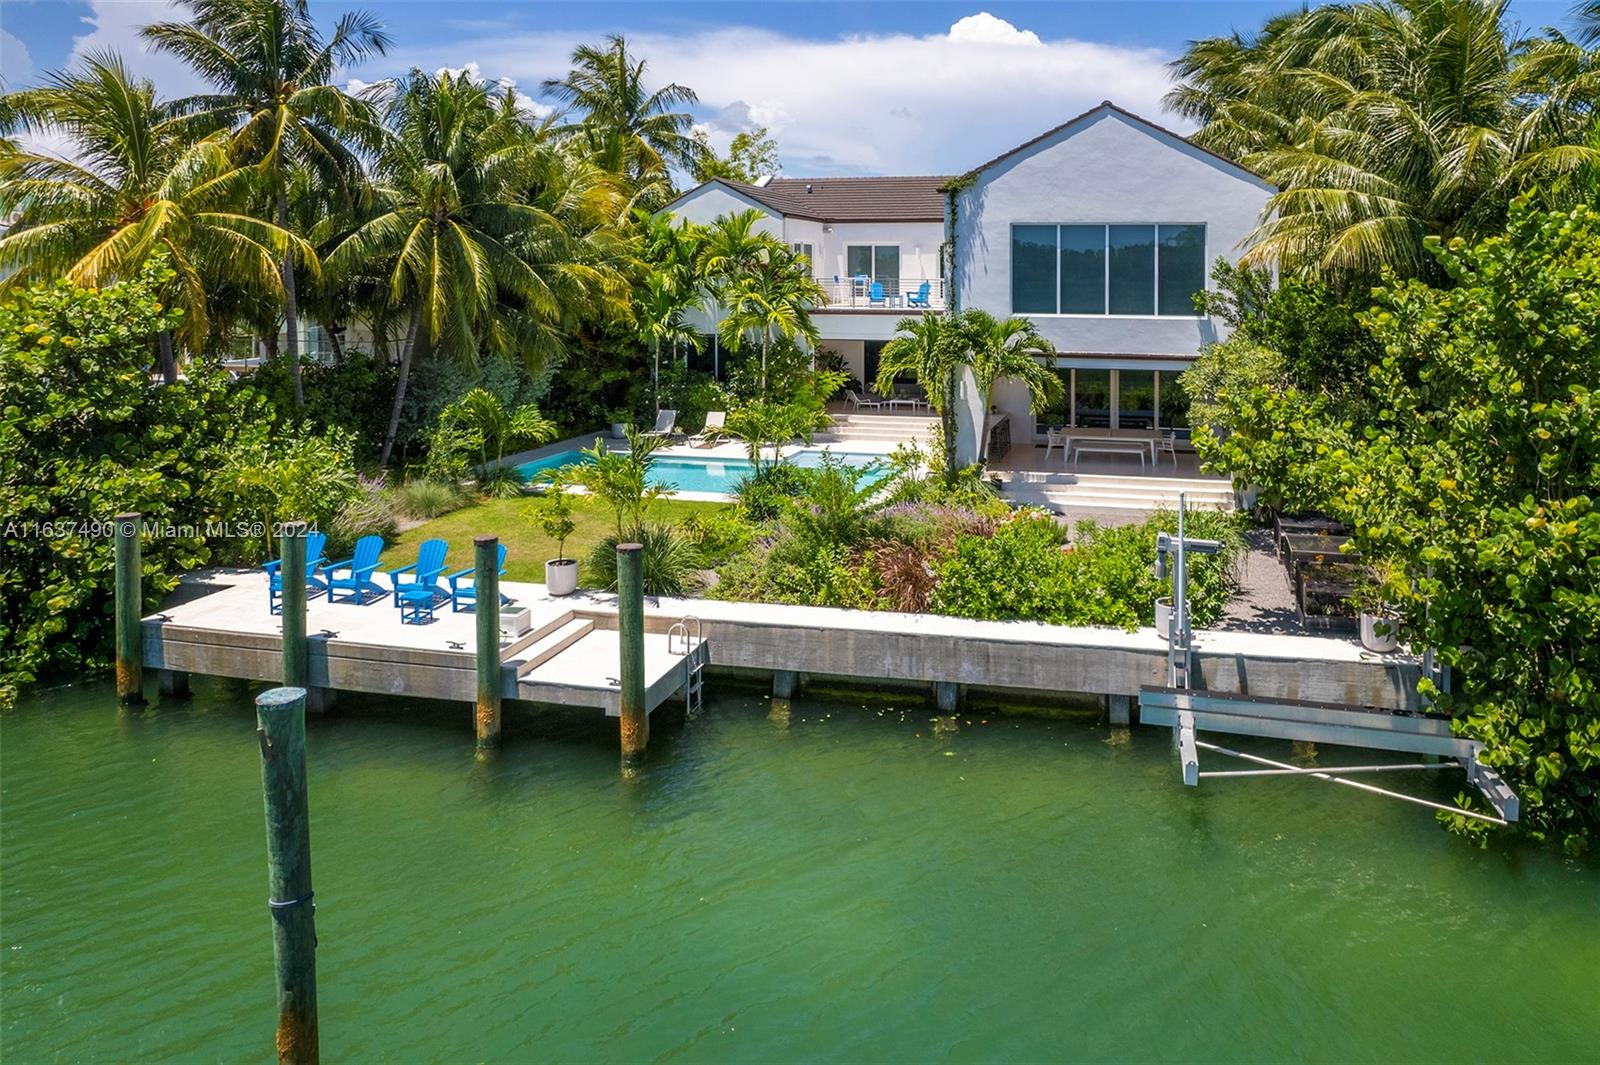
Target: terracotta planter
561, 576
1371, 640
1164, 618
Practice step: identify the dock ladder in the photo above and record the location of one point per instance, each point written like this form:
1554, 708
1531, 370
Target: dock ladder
693, 649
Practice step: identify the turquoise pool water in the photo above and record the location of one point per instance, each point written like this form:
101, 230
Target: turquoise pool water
685, 474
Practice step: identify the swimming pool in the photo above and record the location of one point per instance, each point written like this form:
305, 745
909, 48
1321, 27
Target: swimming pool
683, 473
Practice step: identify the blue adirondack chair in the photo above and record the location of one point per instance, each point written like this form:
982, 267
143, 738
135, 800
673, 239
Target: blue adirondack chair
424, 572
875, 293
919, 298
464, 584
360, 566
314, 584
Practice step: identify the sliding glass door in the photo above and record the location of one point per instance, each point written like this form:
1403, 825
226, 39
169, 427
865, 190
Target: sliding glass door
1118, 399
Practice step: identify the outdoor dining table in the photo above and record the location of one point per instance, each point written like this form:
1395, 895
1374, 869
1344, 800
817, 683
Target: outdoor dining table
1066, 439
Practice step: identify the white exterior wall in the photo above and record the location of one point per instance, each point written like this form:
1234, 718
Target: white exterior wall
918, 242
710, 202
1105, 169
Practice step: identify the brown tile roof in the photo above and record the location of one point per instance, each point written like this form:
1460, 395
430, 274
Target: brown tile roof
852, 199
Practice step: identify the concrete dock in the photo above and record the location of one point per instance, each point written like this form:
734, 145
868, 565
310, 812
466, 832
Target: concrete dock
217, 623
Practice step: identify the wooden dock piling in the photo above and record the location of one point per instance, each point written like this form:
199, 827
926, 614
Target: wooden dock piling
486, 598
292, 570
281, 728
630, 626
129, 593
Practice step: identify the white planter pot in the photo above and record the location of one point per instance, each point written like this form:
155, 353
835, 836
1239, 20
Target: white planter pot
1164, 618
1371, 640
619, 429
561, 576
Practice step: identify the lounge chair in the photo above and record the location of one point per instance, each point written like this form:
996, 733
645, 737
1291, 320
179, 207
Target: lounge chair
466, 594
424, 571
361, 565
859, 402
920, 297
315, 542
666, 422
716, 420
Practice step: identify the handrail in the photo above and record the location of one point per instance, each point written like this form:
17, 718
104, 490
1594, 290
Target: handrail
892, 293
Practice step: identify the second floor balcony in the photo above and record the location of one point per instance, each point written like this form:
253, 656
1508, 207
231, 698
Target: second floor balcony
904, 295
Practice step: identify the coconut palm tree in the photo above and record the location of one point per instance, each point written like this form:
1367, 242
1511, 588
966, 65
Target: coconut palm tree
632, 130
271, 70
932, 349
1007, 348
481, 234
136, 185
1385, 122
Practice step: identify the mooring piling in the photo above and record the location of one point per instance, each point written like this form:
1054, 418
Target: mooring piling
486, 608
292, 571
281, 728
630, 630
129, 595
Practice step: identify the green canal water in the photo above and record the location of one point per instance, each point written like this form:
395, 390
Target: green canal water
844, 886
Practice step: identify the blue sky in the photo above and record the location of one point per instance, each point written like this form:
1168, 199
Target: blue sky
867, 86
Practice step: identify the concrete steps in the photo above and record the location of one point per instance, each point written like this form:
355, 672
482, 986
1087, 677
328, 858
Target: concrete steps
886, 427
1111, 492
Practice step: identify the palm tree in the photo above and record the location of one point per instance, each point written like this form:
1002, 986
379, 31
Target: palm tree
138, 186
771, 302
272, 70
1385, 122
477, 239
932, 349
1007, 348
634, 131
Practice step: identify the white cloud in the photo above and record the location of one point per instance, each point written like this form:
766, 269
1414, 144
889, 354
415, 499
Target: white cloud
984, 28
16, 65
114, 26
884, 103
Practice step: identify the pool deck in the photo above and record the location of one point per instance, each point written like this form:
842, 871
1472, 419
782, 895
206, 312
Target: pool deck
217, 623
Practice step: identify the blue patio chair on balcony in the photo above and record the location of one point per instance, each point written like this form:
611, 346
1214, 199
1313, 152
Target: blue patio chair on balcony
315, 542
424, 572
464, 585
875, 296
359, 568
919, 298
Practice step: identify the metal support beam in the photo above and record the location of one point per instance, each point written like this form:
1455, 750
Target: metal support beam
1495, 789
1188, 757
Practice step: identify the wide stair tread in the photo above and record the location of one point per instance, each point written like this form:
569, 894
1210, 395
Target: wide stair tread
552, 643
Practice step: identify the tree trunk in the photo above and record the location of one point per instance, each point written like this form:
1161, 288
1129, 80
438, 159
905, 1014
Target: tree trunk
291, 310
169, 357
400, 385
655, 376
947, 424
766, 339
335, 333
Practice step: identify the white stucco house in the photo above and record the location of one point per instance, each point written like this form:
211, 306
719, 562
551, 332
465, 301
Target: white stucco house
1100, 231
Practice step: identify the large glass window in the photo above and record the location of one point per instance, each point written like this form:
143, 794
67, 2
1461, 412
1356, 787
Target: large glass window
1091, 399
1033, 269
880, 262
1180, 268
1104, 269
1083, 269
1174, 402
1132, 275
1058, 409
1136, 399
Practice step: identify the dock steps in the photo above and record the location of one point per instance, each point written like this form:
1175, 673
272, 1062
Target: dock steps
533, 636
557, 637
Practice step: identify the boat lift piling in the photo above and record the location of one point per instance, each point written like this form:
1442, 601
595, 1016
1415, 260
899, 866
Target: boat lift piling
129, 595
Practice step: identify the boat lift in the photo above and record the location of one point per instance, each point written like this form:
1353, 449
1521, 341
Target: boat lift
1179, 706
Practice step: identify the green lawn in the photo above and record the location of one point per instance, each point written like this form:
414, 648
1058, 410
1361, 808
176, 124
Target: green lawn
527, 547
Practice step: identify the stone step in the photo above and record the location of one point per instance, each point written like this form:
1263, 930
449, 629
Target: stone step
1106, 500
1111, 481
553, 644
534, 635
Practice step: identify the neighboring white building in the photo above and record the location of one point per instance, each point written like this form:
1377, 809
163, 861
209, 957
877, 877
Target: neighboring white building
1100, 231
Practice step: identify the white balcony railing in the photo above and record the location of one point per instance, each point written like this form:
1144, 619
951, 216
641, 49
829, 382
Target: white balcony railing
908, 295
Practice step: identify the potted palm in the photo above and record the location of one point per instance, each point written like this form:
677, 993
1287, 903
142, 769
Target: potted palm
555, 517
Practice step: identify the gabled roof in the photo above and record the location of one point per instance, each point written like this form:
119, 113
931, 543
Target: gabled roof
845, 199
1103, 107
